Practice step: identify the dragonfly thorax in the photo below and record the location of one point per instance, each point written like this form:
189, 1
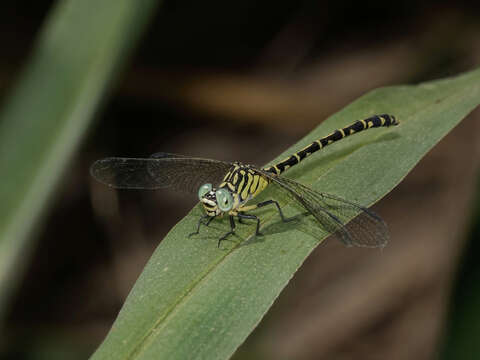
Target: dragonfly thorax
241, 184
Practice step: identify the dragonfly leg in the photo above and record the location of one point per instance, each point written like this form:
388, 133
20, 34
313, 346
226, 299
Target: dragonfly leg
200, 223
269, 202
253, 217
232, 231
209, 220
240, 221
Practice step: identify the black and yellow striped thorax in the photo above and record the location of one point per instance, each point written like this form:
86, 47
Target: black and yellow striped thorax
244, 183
357, 126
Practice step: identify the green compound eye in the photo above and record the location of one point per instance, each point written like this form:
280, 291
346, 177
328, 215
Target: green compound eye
224, 199
205, 188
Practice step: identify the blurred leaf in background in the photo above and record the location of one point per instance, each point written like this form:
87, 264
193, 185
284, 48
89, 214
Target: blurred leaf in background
461, 334
76, 56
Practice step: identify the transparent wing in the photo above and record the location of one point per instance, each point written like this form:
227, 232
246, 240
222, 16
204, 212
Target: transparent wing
161, 171
352, 223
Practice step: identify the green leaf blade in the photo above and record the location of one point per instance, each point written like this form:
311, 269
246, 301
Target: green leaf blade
196, 301
74, 60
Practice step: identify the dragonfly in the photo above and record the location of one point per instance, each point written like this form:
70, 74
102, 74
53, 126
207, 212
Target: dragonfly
229, 187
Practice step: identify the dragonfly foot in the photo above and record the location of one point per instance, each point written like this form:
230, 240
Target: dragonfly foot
232, 232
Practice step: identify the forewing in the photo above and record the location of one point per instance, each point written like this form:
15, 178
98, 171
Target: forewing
352, 223
180, 173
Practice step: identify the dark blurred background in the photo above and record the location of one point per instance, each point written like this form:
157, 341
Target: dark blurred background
242, 81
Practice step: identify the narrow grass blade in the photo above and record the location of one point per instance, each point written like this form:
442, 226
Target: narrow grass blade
76, 56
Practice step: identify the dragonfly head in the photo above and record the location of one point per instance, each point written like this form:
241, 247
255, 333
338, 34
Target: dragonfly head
215, 201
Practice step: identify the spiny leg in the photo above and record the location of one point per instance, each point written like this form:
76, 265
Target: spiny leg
200, 223
269, 202
209, 220
253, 217
239, 217
232, 231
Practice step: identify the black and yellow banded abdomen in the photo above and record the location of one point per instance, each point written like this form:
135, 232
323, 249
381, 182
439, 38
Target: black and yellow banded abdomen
357, 126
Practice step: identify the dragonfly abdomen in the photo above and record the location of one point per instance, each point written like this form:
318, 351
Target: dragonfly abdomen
357, 126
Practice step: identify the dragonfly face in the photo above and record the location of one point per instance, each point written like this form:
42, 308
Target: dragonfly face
215, 201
